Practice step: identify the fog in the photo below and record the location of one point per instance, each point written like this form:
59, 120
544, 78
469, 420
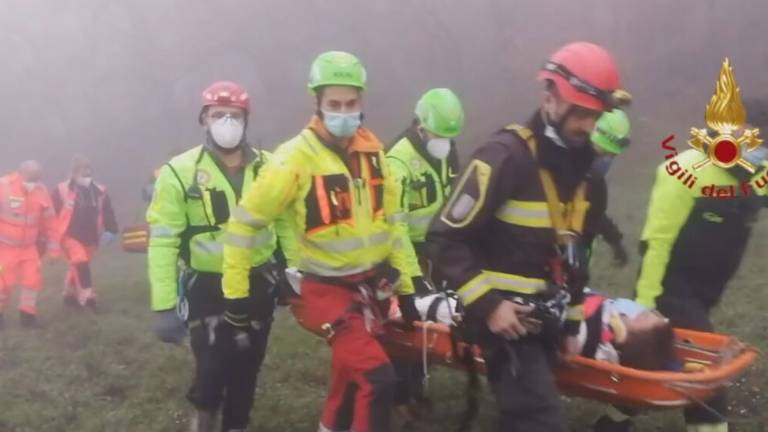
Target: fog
120, 81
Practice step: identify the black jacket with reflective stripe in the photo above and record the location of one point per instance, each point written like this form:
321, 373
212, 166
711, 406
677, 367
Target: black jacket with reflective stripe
463, 242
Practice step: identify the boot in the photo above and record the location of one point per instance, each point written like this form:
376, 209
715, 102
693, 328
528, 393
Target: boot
607, 424
205, 421
28, 320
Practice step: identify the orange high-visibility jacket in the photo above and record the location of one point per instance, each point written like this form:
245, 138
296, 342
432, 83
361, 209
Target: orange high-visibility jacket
24, 214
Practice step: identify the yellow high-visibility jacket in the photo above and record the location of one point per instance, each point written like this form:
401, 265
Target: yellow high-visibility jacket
344, 209
187, 217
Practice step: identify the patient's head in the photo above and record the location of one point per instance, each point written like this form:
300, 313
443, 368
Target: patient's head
648, 343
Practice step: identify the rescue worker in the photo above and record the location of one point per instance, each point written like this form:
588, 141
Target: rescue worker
692, 245
334, 182
509, 235
424, 161
85, 220
610, 138
26, 215
195, 194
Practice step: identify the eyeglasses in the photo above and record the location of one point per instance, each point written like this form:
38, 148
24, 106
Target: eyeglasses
580, 85
235, 115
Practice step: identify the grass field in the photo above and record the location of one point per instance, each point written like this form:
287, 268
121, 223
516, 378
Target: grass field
104, 372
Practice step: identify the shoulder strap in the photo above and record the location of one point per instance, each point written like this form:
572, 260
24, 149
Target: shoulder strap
178, 178
572, 219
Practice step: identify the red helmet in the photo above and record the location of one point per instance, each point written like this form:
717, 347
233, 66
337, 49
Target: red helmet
226, 93
585, 75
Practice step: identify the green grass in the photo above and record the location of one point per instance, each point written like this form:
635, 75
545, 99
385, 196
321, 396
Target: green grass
105, 372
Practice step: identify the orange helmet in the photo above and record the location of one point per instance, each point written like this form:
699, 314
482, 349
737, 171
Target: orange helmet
585, 74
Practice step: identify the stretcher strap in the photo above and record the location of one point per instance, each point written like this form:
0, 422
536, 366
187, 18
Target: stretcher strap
594, 333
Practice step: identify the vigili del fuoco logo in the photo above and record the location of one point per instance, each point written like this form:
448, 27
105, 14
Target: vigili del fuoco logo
724, 143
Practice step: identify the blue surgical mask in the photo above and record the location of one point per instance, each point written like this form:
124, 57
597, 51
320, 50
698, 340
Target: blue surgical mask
341, 125
601, 165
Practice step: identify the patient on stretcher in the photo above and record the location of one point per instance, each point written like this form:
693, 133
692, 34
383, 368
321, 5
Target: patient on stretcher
623, 331
614, 330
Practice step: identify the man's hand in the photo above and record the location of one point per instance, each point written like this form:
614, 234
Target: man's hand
505, 320
169, 328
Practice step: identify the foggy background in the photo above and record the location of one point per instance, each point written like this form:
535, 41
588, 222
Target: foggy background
120, 81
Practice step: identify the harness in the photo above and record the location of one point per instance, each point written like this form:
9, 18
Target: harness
567, 220
194, 192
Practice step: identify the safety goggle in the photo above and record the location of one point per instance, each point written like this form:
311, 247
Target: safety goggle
580, 85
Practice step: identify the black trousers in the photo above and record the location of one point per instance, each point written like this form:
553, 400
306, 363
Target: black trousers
225, 378
692, 314
522, 379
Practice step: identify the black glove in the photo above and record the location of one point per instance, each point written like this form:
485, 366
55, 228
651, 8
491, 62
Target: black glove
265, 284
408, 310
620, 255
421, 285
284, 289
169, 328
233, 332
238, 312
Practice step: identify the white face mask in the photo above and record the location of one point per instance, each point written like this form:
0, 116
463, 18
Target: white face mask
29, 186
439, 148
227, 132
84, 181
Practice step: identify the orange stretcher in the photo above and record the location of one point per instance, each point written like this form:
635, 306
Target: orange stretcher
135, 238
711, 361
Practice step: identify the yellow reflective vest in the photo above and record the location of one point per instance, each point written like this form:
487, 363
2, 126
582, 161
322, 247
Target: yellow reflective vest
425, 182
344, 210
188, 215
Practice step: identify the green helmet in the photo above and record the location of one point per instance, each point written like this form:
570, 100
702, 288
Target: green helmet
336, 68
611, 132
439, 111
